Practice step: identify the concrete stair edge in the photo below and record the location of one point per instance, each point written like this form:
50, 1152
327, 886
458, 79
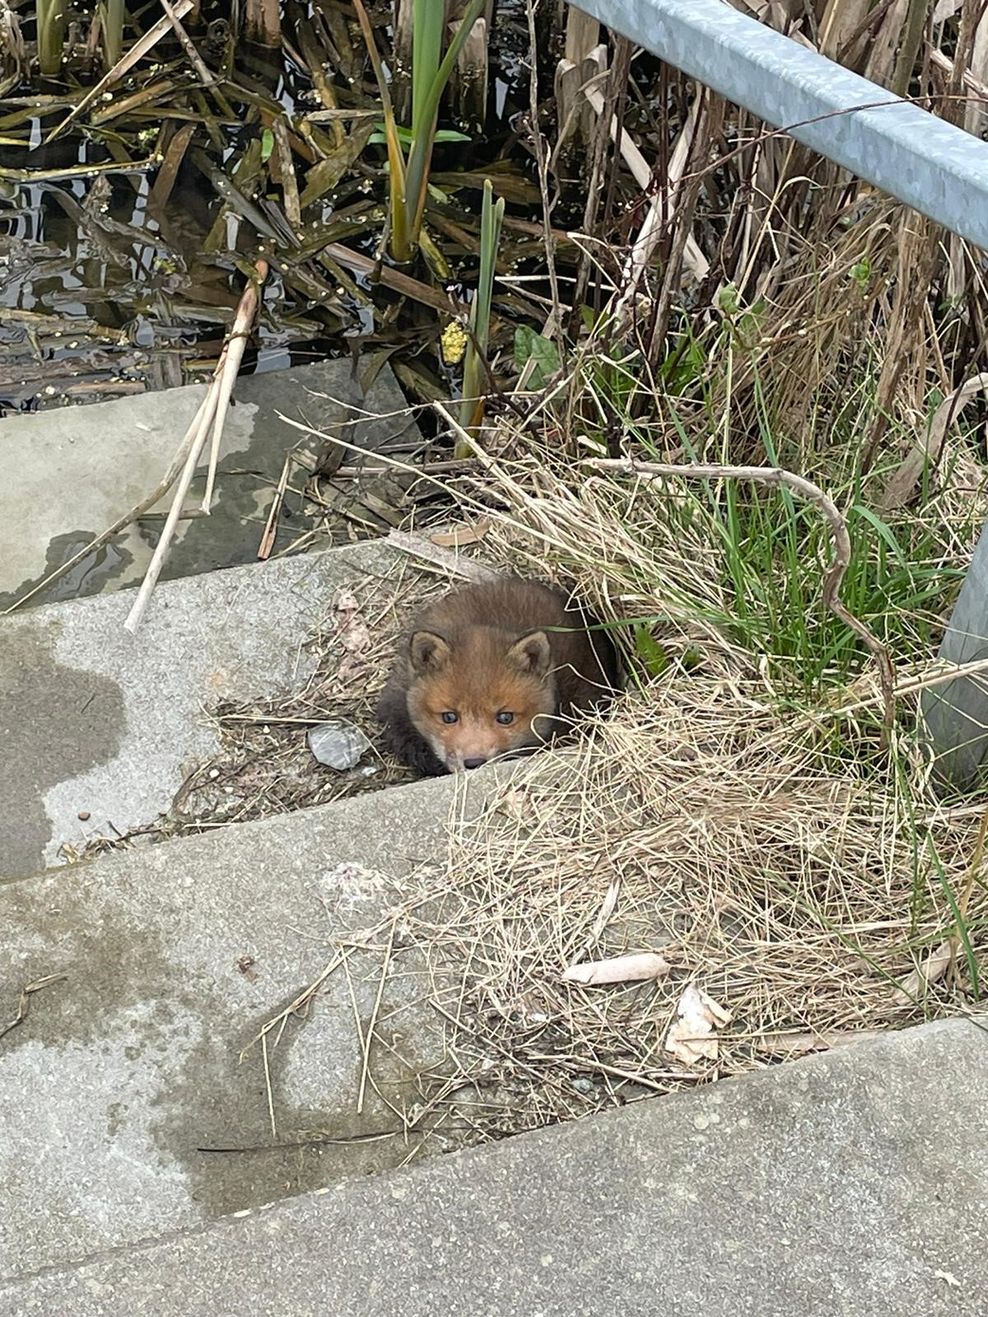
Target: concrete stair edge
173, 957
841, 1185
116, 718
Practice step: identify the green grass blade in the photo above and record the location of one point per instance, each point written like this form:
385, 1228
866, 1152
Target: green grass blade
427, 48
420, 156
882, 529
51, 35
961, 929
112, 18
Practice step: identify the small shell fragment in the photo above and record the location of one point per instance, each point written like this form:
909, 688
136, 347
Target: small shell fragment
692, 1039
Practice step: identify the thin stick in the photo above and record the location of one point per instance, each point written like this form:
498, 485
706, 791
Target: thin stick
300, 1002
233, 355
218, 398
271, 525
202, 72
267, 1085
25, 1000
542, 168
662, 208
369, 1035
174, 513
776, 477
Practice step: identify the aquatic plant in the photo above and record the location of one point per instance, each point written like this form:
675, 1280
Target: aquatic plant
51, 35
112, 16
475, 363
410, 151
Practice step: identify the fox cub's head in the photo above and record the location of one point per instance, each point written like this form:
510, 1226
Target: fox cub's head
476, 696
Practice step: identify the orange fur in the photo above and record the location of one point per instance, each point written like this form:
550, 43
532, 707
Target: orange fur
505, 647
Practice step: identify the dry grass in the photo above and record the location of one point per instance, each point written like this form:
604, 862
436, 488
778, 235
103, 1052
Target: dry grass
767, 874
749, 827
754, 833
805, 274
700, 823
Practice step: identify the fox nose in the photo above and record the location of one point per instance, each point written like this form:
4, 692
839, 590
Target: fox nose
474, 763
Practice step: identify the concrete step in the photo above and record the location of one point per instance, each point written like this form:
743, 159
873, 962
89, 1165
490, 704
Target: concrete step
173, 957
100, 722
851, 1184
71, 472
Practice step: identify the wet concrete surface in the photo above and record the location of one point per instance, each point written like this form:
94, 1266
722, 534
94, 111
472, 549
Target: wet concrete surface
55, 722
98, 722
130, 1104
71, 472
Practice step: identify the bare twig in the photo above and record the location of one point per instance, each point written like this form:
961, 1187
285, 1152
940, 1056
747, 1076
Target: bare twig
233, 355
662, 207
271, 525
267, 1086
25, 1001
538, 145
372, 1023
196, 446
195, 59
213, 411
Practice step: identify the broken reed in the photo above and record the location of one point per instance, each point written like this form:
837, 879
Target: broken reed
262, 22
816, 275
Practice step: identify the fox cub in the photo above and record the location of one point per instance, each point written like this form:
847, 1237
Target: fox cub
496, 669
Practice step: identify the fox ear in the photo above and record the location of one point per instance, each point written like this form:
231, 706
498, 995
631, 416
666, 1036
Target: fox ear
531, 654
427, 652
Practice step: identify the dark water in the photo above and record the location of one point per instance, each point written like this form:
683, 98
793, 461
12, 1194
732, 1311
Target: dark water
103, 292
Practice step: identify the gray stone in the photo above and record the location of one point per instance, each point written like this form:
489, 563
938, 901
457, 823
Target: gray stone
338, 745
174, 957
852, 1184
71, 472
95, 720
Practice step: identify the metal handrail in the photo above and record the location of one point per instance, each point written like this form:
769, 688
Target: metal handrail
930, 164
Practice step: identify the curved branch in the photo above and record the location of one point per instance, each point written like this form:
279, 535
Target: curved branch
777, 477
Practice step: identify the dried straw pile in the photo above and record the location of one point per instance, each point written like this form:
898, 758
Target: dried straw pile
695, 823
801, 876
780, 860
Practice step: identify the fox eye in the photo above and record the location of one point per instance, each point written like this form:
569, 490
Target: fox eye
504, 718
450, 717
